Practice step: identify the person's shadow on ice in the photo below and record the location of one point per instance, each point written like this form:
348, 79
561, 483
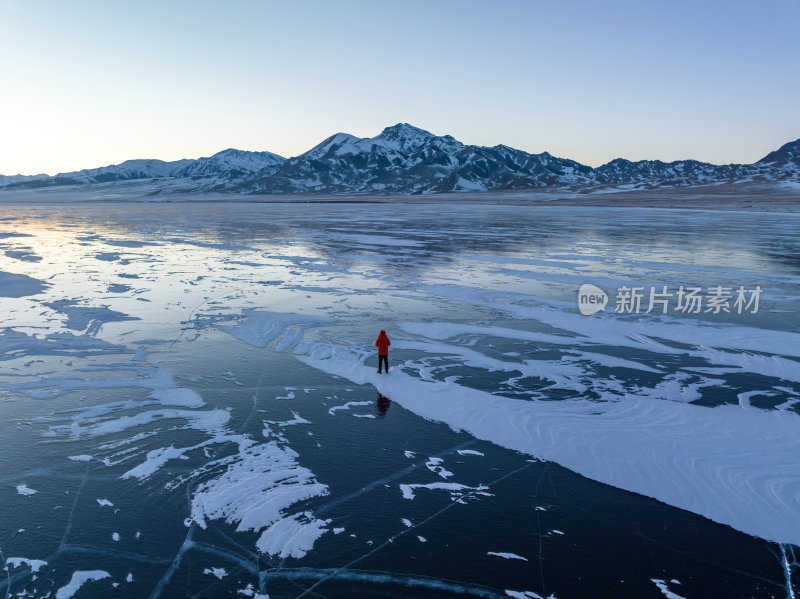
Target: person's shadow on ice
382, 405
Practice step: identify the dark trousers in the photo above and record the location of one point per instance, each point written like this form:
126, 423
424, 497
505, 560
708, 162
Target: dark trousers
383, 360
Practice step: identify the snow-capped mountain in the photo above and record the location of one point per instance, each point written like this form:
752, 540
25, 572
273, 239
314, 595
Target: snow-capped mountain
788, 155
408, 160
405, 159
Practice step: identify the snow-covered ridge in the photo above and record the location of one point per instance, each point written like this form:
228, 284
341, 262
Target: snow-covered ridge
231, 164
408, 160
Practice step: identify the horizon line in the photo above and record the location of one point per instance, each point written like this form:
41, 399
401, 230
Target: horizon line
374, 136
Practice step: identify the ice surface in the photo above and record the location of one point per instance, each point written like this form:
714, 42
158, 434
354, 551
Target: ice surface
154, 370
17, 285
613, 330
15, 344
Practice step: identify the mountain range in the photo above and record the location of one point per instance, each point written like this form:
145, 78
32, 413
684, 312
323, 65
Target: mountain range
404, 159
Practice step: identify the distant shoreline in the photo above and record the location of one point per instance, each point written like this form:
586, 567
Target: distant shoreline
748, 196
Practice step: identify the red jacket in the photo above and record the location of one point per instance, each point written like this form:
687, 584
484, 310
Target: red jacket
383, 343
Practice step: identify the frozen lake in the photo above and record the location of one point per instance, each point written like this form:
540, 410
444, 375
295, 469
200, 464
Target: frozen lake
191, 405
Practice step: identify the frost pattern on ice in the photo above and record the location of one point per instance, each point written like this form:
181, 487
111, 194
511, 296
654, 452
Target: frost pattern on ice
258, 328
292, 536
255, 491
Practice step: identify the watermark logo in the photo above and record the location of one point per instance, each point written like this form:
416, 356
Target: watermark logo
686, 300
591, 299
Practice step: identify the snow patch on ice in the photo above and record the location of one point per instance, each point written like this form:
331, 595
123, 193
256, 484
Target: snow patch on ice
457, 490
23, 489
218, 572
507, 555
80, 458
78, 579
347, 406
527, 595
33, 564
178, 397
297, 419
434, 465
662, 586
249, 591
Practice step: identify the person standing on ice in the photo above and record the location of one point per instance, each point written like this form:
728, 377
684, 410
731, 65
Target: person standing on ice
383, 343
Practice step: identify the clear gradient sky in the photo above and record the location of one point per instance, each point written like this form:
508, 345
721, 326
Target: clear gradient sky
86, 84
